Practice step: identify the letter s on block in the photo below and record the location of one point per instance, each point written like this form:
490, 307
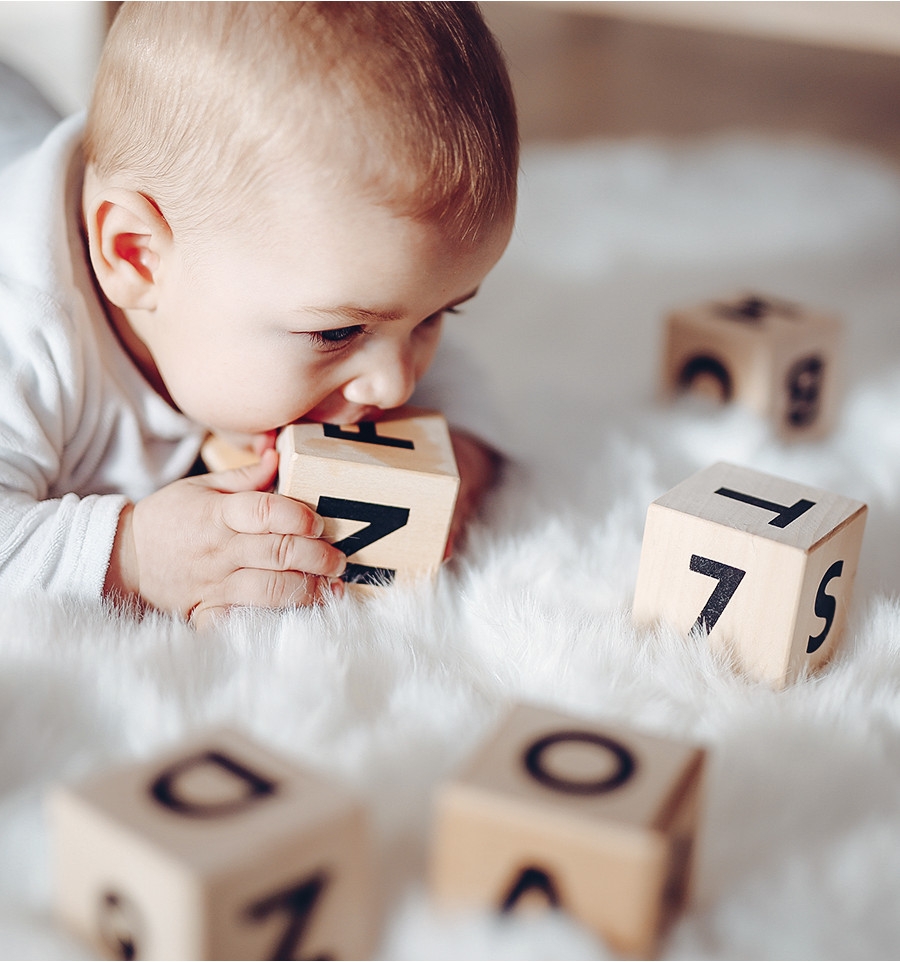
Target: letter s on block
826, 606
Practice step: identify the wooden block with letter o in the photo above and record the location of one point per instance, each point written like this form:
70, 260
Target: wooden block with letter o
594, 819
386, 489
219, 849
762, 565
778, 358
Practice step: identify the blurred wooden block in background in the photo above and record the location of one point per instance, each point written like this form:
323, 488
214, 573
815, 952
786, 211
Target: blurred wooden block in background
386, 489
762, 565
218, 849
594, 819
779, 359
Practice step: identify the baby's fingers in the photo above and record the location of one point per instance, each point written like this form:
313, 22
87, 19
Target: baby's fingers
264, 589
257, 512
284, 552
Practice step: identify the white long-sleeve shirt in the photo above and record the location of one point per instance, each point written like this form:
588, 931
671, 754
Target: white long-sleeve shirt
81, 430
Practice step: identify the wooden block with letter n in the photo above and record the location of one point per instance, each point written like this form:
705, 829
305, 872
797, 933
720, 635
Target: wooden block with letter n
778, 358
386, 489
594, 819
761, 565
219, 849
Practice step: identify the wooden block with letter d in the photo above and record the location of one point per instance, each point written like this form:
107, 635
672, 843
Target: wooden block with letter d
780, 359
218, 849
386, 489
594, 819
761, 565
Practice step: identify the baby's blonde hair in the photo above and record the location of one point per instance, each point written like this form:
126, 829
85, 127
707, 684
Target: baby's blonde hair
204, 107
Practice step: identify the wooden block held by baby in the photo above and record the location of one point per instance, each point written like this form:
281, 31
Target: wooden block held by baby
780, 359
761, 566
593, 819
219, 849
219, 454
386, 489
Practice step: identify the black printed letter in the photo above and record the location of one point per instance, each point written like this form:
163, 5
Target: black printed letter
826, 606
298, 902
729, 578
383, 519
366, 434
244, 789
784, 513
533, 761
530, 879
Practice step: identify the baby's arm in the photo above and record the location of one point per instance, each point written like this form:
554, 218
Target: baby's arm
479, 469
203, 544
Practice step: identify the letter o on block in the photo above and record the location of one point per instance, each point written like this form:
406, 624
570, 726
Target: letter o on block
556, 812
761, 566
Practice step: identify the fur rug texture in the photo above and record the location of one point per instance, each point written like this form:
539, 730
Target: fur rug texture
799, 854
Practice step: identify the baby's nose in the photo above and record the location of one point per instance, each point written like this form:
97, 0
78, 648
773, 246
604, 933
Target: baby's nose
385, 385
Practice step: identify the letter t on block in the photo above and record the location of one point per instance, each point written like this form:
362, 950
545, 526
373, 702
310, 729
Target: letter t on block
386, 489
762, 566
218, 849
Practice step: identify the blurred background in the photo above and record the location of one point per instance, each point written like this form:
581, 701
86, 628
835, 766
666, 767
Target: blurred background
675, 69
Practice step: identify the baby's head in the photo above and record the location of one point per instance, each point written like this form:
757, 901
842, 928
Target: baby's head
326, 170
209, 107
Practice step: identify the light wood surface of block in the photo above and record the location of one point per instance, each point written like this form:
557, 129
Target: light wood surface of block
764, 565
779, 359
591, 818
220, 455
388, 487
218, 850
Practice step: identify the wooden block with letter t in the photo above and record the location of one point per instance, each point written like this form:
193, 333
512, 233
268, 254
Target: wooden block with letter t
219, 849
761, 565
386, 489
778, 358
593, 819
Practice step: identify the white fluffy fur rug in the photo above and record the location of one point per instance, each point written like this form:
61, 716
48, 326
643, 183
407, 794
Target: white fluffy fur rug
800, 853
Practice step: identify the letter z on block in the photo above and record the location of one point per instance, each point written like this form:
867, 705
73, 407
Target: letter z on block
386, 490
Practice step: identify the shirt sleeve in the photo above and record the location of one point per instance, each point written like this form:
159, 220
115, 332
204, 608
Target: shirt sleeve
58, 544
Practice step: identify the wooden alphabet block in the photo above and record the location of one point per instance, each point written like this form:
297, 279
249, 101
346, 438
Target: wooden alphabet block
386, 489
219, 849
218, 454
779, 359
594, 819
763, 566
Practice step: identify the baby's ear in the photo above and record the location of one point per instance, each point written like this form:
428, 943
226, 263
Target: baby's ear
128, 238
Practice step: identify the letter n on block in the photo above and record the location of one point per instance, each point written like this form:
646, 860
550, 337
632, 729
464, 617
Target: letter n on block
596, 820
386, 489
218, 850
762, 566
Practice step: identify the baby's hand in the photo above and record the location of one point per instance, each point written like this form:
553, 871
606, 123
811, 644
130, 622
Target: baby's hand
202, 544
479, 468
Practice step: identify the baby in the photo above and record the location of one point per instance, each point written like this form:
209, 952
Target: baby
268, 215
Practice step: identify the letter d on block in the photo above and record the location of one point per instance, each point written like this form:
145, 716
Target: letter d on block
209, 785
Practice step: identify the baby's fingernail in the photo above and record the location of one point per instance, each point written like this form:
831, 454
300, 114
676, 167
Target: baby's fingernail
317, 527
337, 589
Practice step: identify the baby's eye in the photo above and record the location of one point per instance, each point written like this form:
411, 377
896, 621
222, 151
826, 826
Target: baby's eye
336, 336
